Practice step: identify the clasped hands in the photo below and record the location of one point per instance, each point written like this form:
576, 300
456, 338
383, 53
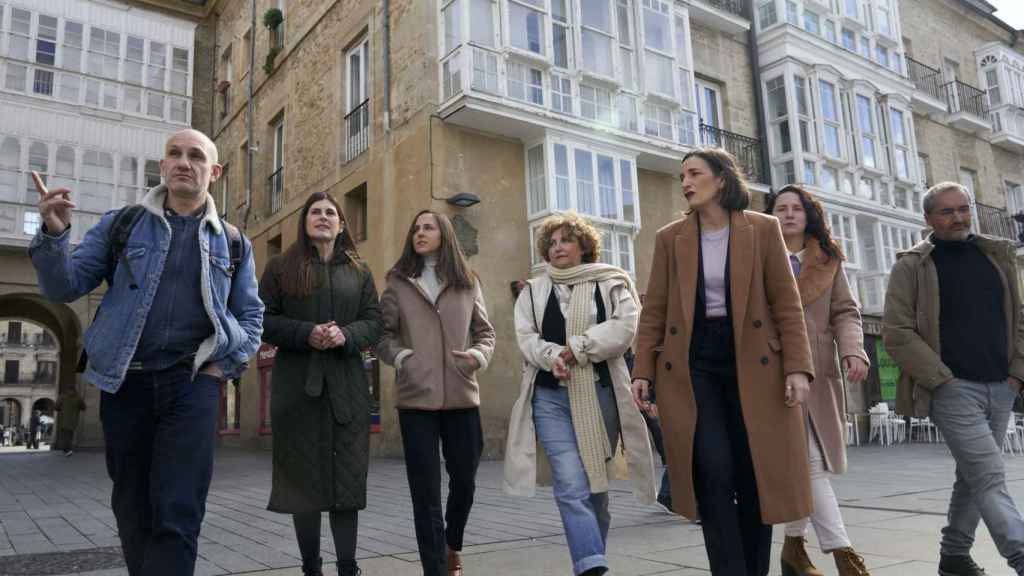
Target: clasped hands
327, 335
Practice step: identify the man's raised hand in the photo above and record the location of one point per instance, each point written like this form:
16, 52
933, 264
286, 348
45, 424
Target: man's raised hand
54, 206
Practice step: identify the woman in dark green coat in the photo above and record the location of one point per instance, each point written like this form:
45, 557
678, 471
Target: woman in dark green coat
322, 310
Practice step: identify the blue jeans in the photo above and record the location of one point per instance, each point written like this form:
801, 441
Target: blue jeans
584, 515
973, 417
159, 429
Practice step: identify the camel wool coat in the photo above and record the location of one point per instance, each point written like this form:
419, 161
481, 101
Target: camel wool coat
833, 323
771, 342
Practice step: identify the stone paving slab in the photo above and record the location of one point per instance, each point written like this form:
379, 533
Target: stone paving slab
893, 502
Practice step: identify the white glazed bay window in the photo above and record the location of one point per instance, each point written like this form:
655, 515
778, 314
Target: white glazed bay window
600, 184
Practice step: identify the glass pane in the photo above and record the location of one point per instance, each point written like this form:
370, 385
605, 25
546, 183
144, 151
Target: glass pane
628, 202
606, 186
584, 182
597, 14
656, 28
561, 177
597, 52
525, 24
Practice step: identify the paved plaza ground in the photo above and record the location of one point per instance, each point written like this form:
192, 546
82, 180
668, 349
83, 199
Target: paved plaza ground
55, 519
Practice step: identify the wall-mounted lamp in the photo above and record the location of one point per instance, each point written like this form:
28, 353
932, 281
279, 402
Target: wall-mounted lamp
463, 199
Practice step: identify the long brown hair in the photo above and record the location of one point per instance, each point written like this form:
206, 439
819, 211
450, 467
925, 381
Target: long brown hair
452, 267
817, 227
298, 279
735, 195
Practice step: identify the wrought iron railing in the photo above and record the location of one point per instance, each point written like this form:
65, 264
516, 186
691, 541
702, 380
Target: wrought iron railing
357, 130
737, 7
745, 149
966, 98
275, 190
926, 78
999, 222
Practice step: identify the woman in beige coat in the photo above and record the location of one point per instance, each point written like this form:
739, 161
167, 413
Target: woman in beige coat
833, 321
437, 336
723, 309
573, 325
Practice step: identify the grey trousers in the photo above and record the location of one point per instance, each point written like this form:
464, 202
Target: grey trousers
973, 418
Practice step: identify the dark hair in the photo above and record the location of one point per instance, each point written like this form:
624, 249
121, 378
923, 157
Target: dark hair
297, 279
735, 195
573, 227
452, 267
817, 226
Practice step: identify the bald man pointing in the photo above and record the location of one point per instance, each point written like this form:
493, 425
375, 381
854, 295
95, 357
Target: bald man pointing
180, 315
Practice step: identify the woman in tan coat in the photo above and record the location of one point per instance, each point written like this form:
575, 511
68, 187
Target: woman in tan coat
722, 335
833, 321
437, 336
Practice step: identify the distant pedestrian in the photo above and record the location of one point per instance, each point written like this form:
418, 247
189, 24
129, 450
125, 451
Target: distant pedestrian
953, 324
322, 311
437, 336
33, 430
70, 405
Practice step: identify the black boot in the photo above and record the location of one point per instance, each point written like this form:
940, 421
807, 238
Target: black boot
959, 566
349, 568
312, 566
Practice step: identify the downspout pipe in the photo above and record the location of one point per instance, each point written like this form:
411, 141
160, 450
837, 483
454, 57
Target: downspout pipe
249, 118
762, 126
386, 48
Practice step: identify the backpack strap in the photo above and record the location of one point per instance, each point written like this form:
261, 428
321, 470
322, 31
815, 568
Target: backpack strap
234, 245
120, 231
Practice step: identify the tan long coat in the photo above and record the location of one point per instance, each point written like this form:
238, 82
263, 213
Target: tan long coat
833, 321
771, 341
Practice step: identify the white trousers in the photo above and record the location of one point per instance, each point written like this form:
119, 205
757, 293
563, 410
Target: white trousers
828, 523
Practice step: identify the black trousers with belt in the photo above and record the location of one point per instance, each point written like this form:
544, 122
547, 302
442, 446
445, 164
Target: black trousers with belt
460, 436
737, 542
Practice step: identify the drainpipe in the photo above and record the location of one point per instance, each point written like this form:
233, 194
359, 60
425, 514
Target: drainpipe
213, 87
249, 119
762, 127
387, 64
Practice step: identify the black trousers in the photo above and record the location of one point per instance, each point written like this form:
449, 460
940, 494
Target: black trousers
462, 441
344, 529
737, 542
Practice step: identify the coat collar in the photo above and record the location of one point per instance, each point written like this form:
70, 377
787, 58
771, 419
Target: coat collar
817, 272
154, 200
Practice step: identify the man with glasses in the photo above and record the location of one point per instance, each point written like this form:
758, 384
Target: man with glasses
953, 323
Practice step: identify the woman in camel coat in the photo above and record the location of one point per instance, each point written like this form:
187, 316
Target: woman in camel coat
728, 398
833, 325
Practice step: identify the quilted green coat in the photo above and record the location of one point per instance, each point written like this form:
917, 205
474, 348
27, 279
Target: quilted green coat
320, 400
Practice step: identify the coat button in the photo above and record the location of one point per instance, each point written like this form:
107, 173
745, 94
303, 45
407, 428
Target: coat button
673, 331
668, 365
757, 323
764, 360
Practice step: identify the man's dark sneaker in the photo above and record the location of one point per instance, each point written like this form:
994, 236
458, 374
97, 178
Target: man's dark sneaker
959, 566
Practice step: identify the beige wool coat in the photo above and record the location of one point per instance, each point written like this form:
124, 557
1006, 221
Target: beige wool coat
607, 341
833, 324
771, 342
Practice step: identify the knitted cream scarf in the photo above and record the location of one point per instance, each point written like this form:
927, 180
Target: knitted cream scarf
587, 420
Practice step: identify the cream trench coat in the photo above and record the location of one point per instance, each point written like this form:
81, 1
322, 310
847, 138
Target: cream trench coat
607, 341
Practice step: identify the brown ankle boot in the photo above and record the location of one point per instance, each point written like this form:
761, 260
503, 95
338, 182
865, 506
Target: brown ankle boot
795, 561
849, 563
454, 563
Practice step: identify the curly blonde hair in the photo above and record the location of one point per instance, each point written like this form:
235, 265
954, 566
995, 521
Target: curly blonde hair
574, 227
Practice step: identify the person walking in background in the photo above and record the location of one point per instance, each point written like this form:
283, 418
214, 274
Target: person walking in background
180, 316
722, 333
438, 338
70, 406
574, 324
33, 430
953, 323
321, 312
833, 324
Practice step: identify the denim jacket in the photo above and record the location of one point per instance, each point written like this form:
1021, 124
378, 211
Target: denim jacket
234, 306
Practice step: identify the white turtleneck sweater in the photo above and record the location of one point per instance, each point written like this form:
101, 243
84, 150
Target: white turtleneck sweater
428, 280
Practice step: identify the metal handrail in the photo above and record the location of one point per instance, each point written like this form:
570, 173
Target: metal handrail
357, 130
275, 190
966, 98
925, 78
745, 149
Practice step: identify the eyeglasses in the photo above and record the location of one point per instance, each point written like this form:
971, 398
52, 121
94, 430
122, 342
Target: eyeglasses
964, 211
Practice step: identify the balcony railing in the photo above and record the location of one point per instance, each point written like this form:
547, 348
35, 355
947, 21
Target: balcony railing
357, 130
999, 222
745, 149
966, 98
737, 7
275, 190
926, 79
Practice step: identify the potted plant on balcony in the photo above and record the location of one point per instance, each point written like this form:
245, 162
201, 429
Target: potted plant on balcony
272, 20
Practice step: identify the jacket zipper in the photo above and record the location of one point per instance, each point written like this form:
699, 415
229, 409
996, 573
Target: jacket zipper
440, 327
